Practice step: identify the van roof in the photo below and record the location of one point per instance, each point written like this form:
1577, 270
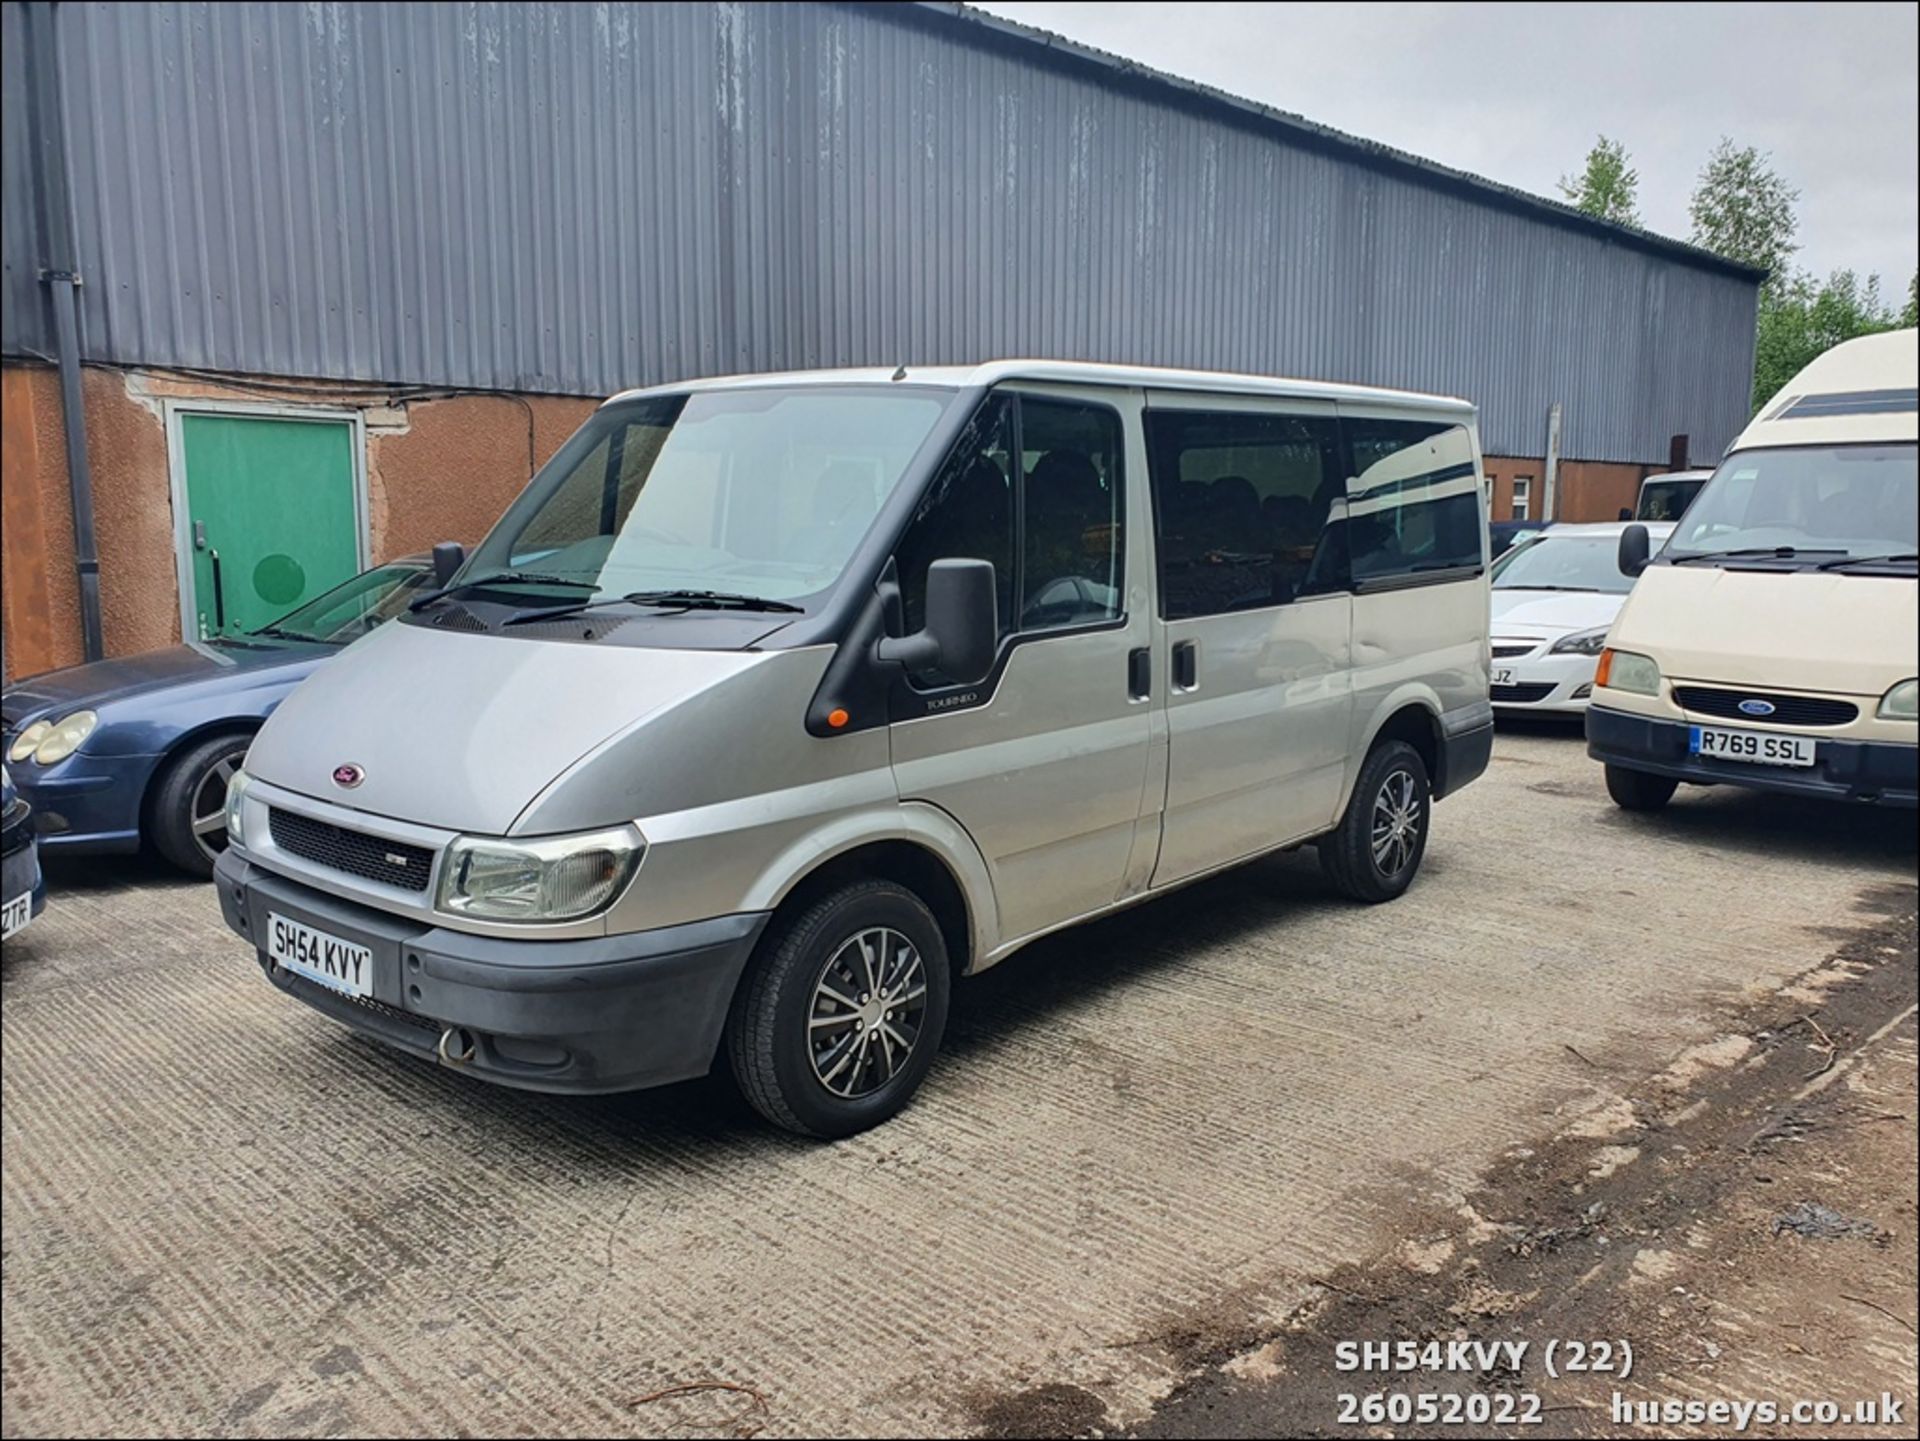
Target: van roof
1074, 372
1861, 391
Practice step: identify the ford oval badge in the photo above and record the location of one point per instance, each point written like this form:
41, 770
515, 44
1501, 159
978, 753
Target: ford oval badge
350, 775
1754, 706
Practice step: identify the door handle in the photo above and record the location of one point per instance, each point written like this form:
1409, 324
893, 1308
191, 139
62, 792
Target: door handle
219, 594
199, 535
1139, 673
1186, 665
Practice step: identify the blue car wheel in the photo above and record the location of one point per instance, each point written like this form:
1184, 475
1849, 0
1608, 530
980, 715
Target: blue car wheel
189, 816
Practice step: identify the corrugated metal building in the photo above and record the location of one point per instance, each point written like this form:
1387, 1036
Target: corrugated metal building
393, 205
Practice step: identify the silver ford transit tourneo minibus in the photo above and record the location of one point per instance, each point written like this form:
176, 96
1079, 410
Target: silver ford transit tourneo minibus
778, 702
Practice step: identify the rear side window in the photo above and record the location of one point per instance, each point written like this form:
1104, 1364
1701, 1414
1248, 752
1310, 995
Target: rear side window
1413, 504
1242, 502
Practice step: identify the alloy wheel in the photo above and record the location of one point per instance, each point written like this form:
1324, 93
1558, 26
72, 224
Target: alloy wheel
207, 812
867, 1012
1396, 823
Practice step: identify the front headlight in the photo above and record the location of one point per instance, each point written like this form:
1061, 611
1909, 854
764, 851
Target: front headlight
1626, 670
557, 878
1586, 642
64, 738
237, 785
24, 743
1902, 702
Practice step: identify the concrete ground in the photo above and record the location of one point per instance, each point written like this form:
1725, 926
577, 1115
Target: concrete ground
1146, 1138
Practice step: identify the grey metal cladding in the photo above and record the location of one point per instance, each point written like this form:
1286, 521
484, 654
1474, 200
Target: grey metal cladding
578, 198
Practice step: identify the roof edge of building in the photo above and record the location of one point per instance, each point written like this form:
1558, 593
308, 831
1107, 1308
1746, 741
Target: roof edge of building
970, 20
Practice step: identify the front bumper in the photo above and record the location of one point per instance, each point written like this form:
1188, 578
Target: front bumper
1871, 772
88, 804
614, 1013
1544, 682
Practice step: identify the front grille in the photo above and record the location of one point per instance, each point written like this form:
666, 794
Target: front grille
372, 858
1788, 710
1520, 694
1525, 647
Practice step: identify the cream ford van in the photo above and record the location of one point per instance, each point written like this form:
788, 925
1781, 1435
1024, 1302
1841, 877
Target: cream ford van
776, 703
1772, 641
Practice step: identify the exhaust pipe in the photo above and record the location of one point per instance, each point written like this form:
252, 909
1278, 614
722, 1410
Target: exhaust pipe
456, 1046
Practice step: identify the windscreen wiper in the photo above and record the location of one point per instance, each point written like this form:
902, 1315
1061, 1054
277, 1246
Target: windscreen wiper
1904, 558
1574, 589
503, 577
679, 600
1752, 552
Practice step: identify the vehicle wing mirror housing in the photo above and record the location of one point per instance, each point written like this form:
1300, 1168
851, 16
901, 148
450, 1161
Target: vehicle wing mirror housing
1635, 548
962, 632
448, 557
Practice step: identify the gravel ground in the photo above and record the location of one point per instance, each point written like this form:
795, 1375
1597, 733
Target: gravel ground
223, 1213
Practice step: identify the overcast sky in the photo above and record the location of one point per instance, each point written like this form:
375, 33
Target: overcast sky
1517, 93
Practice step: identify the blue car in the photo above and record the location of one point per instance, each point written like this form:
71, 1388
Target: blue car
23, 894
138, 750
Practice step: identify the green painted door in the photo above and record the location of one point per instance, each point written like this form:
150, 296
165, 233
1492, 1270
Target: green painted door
271, 515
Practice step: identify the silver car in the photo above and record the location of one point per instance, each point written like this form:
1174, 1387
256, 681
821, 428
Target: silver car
777, 703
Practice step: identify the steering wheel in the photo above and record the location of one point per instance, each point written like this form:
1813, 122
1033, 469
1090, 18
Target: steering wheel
1062, 599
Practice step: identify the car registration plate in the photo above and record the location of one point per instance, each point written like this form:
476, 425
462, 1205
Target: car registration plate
1757, 747
328, 960
1503, 675
15, 914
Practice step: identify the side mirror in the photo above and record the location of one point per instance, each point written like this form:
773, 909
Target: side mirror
448, 557
963, 624
1626, 512
1634, 550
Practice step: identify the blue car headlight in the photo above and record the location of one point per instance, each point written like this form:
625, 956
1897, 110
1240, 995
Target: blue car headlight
62, 738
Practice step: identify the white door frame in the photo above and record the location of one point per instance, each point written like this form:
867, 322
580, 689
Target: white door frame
174, 409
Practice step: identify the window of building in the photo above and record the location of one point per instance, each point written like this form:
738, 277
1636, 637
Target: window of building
1522, 497
1413, 506
1067, 495
1241, 503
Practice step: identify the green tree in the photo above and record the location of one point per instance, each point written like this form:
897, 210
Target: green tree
1801, 318
1910, 312
1742, 209
1608, 187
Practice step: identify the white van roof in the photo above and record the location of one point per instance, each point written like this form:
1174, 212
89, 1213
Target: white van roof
1861, 390
1077, 372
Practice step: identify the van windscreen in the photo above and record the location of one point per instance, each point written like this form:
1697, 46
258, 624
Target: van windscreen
1804, 504
760, 492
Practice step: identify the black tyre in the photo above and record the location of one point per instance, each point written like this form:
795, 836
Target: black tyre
841, 1011
1375, 851
1639, 791
187, 819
